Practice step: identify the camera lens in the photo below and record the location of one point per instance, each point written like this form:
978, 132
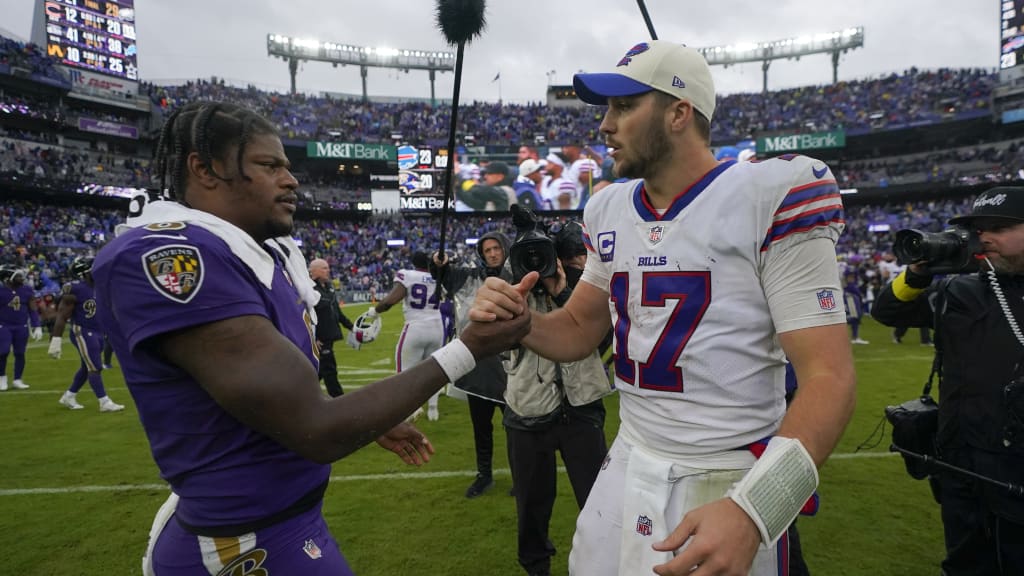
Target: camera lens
533, 260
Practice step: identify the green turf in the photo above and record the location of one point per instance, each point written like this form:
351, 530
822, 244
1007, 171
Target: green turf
78, 489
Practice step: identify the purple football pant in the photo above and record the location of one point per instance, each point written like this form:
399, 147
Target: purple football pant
13, 335
300, 545
89, 344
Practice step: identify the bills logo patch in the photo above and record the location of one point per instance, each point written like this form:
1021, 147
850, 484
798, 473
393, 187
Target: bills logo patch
827, 300
644, 526
312, 550
656, 233
176, 271
638, 49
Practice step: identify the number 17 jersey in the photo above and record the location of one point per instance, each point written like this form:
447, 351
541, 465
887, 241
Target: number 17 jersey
698, 293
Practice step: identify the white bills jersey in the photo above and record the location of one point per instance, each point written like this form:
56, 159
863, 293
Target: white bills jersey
699, 292
420, 303
423, 332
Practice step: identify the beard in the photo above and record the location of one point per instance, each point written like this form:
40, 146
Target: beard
649, 152
1012, 265
279, 227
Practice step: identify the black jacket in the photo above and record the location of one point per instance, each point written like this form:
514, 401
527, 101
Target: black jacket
328, 315
980, 354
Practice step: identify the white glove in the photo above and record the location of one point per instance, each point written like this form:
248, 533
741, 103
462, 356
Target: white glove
54, 350
353, 341
37, 333
371, 313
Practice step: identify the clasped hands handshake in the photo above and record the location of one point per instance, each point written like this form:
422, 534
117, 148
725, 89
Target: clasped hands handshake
500, 317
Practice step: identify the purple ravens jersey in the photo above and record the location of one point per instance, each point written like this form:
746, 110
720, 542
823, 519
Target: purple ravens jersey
169, 277
14, 305
84, 315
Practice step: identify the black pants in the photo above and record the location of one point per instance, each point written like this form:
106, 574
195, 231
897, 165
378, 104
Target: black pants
535, 474
329, 370
978, 541
481, 412
899, 332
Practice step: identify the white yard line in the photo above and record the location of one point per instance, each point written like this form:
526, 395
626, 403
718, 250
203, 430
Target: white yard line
336, 479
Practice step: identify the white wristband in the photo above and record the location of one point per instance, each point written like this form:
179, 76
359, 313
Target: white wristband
455, 359
776, 487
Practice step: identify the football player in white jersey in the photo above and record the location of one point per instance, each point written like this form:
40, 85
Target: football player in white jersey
711, 274
423, 332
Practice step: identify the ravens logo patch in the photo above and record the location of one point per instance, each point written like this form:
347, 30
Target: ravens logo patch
176, 271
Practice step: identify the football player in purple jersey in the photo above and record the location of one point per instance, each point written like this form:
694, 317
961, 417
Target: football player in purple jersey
209, 306
78, 306
17, 308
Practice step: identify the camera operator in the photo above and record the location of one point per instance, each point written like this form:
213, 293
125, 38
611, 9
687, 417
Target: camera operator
551, 406
976, 319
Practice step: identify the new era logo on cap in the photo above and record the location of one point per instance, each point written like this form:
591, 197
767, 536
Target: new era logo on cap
674, 69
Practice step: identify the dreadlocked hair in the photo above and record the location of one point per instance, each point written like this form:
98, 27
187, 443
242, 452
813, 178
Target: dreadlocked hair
209, 129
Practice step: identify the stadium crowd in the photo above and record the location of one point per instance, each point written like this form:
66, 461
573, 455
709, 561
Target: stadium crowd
45, 239
897, 100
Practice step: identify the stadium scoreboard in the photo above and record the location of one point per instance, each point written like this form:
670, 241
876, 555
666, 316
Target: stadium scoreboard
94, 35
1011, 51
421, 172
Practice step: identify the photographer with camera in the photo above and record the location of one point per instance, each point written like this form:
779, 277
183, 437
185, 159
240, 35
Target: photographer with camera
551, 406
980, 347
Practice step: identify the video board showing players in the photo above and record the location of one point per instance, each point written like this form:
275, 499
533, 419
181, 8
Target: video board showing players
95, 35
1011, 39
421, 172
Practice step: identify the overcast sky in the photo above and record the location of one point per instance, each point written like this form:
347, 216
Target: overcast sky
527, 39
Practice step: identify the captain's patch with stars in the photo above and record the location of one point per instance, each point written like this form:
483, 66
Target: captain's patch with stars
176, 271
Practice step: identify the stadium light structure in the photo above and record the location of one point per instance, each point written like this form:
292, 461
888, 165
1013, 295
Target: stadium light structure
292, 50
835, 43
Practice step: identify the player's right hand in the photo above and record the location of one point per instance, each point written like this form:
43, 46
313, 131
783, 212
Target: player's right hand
54, 350
499, 300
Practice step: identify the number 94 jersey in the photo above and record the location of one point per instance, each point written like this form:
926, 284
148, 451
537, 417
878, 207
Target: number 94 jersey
698, 293
420, 303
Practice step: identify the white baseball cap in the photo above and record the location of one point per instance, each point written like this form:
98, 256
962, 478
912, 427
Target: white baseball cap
529, 166
660, 65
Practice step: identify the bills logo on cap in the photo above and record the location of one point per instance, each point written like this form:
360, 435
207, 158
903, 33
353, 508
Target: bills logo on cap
644, 526
638, 49
827, 300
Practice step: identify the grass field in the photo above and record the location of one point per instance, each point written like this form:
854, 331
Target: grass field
78, 489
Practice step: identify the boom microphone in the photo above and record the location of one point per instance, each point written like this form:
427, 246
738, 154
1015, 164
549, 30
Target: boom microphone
647, 19
460, 21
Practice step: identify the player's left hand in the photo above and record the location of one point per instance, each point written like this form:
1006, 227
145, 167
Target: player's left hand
722, 542
37, 333
409, 443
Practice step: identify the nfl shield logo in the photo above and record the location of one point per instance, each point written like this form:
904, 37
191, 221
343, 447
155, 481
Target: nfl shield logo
312, 550
644, 526
656, 234
827, 300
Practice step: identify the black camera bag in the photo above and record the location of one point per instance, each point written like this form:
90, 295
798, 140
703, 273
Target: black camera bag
914, 426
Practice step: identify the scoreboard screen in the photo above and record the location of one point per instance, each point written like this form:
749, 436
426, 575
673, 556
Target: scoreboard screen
421, 177
94, 35
1011, 38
